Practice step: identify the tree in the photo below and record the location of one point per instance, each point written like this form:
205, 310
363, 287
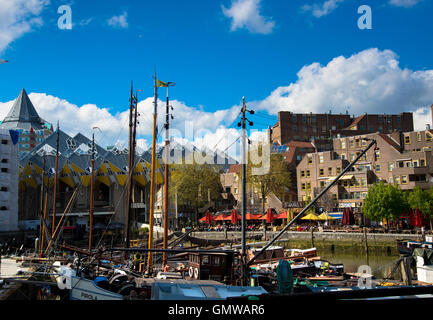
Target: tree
194, 184
277, 180
422, 200
384, 201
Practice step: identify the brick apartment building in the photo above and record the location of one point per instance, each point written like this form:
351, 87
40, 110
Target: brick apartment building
232, 195
307, 127
403, 158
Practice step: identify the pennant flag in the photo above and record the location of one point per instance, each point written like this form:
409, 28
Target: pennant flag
161, 84
14, 136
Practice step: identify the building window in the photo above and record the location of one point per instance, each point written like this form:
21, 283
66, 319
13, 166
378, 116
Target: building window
338, 170
321, 158
357, 182
390, 166
4, 189
343, 143
329, 171
295, 128
303, 186
418, 136
4, 170
4, 142
352, 156
363, 182
310, 160
351, 143
294, 118
343, 156
422, 162
403, 179
406, 139
308, 186
397, 180
322, 172
428, 136
377, 154
415, 163
5, 161
322, 184
334, 197
377, 167
236, 191
308, 173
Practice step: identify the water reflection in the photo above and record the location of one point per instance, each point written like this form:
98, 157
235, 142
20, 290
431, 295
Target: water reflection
381, 262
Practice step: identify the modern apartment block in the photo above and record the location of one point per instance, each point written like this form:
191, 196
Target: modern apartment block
312, 126
23, 118
403, 158
8, 181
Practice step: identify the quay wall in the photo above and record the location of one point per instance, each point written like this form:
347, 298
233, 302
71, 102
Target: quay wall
296, 239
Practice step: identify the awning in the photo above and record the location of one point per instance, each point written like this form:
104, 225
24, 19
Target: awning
345, 177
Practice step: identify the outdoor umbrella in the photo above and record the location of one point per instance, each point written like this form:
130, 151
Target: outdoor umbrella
221, 217
268, 216
234, 218
325, 216
207, 218
310, 216
282, 215
251, 216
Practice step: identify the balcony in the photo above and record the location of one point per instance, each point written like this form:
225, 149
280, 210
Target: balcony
410, 170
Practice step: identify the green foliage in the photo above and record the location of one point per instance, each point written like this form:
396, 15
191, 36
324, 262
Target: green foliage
276, 181
194, 183
384, 201
422, 200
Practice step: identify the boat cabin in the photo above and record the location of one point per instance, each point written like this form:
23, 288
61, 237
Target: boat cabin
216, 266
271, 253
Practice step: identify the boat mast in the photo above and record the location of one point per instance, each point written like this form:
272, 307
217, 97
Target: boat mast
166, 172
92, 164
55, 178
152, 179
130, 165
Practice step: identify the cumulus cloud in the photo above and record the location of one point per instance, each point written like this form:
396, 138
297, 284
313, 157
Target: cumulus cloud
404, 3
246, 14
18, 17
370, 81
322, 10
120, 21
203, 129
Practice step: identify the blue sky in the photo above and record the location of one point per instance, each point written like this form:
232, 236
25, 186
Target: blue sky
216, 56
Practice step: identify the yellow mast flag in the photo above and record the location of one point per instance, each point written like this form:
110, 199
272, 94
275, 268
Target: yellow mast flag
161, 84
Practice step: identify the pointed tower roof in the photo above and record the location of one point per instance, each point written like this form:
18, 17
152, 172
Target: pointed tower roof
22, 115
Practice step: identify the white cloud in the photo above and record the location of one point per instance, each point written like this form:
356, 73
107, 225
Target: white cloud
370, 81
322, 10
120, 21
404, 3
206, 128
18, 17
246, 14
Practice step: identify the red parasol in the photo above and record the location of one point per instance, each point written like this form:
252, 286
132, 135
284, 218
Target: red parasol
235, 217
207, 218
268, 216
251, 216
221, 217
282, 215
